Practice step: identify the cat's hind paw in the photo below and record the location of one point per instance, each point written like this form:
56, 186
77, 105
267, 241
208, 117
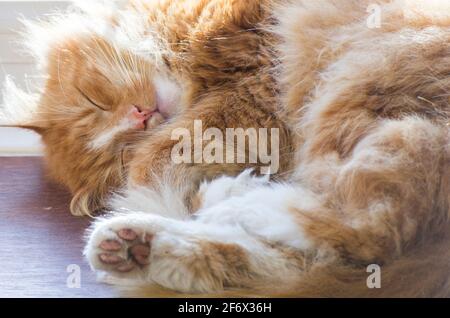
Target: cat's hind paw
120, 248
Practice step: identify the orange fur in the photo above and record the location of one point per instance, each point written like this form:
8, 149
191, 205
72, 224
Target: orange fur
369, 114
215, 51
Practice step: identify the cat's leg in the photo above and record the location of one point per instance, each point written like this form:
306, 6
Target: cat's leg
379, 202
239, 242
389, 195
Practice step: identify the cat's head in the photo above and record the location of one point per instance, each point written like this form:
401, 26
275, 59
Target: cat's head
97, 101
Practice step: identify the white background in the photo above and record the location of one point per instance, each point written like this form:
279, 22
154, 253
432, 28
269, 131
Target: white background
19, 66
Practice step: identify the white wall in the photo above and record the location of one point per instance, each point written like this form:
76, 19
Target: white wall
19, 66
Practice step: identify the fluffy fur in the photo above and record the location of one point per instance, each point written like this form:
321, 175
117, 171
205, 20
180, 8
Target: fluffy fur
202, 60
368, 109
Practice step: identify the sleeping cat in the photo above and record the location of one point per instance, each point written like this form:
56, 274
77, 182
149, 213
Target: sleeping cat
94, 114
371, 181
101, 93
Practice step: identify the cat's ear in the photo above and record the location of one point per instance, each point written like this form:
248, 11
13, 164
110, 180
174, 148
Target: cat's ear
27, 125
85, 203
19, 108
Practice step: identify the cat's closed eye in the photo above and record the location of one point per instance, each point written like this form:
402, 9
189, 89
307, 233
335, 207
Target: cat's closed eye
91, 101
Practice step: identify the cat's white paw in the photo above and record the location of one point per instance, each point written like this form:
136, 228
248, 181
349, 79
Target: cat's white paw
146, 248
122, 245
220, 189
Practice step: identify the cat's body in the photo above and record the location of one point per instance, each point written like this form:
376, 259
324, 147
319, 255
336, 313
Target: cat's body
370, 113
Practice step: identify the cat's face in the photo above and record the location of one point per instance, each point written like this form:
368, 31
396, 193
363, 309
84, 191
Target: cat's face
97, 102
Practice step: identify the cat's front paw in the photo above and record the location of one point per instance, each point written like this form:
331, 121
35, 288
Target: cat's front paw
119, 247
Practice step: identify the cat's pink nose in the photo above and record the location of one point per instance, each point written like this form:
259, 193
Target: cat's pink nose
140, 116
139, 112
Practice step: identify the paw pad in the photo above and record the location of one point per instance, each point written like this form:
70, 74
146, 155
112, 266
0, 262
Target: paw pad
130, 251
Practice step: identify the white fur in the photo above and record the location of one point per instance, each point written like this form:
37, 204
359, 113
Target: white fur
168, 94
177, 242
135, 33
247, 220
106, 136
164, 200
87, 18
265, 212
225, 187
17, 106
42, 36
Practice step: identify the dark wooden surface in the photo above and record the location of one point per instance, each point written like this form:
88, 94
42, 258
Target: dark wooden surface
39, 238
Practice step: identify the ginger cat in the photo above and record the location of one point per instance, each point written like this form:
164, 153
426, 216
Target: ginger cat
100, 93
369, 111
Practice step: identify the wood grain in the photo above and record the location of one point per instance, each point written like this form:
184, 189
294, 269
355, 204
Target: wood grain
39, 238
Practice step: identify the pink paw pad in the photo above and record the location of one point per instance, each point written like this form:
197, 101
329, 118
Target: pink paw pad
110, 259
127, 234
134, 244
111, 246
